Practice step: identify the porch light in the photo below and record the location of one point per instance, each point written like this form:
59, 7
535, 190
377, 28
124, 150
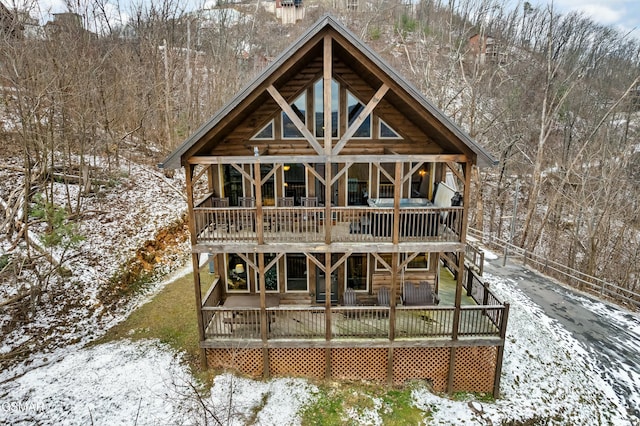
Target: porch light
286, 167
239, 268
422, 172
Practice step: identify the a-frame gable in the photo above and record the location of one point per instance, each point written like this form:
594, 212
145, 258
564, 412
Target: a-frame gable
361, 71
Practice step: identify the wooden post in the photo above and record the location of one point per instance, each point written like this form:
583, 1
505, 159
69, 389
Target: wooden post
263, 317
327, 73
500, 355
194, 262
259, 212
327, 316
395, 261
460, 265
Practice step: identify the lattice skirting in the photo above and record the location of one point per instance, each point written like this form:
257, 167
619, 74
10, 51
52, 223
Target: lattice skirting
246, 361
304, 362
474, 366
359, 364
431, 364
475, 369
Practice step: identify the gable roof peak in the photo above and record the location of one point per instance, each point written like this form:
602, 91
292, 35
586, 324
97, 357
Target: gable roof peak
370, 59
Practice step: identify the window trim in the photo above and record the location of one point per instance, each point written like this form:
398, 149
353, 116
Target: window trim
272, 137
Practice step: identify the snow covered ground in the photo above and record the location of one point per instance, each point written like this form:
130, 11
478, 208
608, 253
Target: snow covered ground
547, 376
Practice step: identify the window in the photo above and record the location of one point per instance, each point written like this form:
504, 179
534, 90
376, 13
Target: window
418, 263
266, 132
318, 107
232, 184
420, 182
237, 278
358, 184
354, 108
270, 275
357, 272
386, 132
296, 272
289, 130
268, 186
387, 258
385, 185
295, 182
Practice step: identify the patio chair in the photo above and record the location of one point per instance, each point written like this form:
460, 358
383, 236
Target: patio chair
309, 201
419, 295
285, 201
384, 296
220, 202
247, 201
349, 299
426, 291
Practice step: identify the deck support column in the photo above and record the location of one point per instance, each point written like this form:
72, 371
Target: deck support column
500, 355
195, 264
327, 74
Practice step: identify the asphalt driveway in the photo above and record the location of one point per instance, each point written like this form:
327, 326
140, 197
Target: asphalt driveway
609, 333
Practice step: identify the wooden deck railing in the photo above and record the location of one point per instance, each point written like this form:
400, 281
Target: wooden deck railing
307, 224
353, 322
475, 256
212, 298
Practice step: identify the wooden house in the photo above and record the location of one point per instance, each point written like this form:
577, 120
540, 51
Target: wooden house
485, 49
324, 194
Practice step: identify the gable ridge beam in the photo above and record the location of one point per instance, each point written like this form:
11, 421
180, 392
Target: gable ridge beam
373, 102
295, 119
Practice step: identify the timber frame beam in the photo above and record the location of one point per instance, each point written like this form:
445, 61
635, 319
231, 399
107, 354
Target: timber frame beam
274, 159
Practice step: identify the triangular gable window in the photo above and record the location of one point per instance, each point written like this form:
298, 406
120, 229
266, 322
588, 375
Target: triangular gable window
289, 130
354, 108
387, 132
265, 133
